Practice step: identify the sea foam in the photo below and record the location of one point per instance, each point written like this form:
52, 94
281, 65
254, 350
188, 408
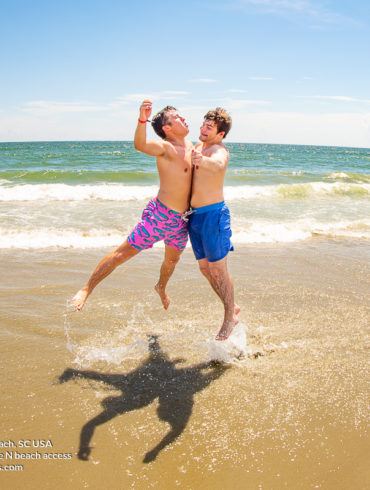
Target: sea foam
121, 192
251, 232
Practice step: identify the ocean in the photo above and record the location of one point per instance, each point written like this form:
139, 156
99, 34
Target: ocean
90, 194
134, 396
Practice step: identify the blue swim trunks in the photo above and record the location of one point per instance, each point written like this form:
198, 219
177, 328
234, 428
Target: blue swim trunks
210, 232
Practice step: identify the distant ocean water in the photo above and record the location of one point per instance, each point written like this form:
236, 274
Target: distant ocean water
90, 194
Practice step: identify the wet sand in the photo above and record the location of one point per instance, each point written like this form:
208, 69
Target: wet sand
289, 408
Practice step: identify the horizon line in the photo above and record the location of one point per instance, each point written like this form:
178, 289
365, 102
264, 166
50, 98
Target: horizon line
226, 142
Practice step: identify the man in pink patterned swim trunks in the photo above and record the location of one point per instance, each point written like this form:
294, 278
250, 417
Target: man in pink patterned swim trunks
163, 218
158, 222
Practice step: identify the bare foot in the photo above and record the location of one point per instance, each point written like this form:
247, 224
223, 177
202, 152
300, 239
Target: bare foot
226, 329
236, 309
164, 297
79, 299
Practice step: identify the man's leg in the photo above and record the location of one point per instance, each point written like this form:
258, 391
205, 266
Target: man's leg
204, 269
103, 269
222, 284
171, 257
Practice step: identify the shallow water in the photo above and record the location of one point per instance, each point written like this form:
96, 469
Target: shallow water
287, 408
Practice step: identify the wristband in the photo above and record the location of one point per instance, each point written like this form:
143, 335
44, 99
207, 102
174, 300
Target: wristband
143, 122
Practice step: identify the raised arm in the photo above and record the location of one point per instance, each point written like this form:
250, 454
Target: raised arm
153, 148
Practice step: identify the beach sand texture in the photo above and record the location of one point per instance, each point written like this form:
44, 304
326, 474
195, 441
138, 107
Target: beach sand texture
287, 408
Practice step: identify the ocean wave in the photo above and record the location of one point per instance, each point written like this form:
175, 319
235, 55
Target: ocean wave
60, 238
121, 192
257, 232
267, 232
355, 178
339, 175
297, 191
116, 152
64, 192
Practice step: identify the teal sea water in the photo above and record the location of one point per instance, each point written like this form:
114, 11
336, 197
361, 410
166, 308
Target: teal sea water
90, 194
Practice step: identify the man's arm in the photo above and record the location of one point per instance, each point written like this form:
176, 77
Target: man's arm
152, 148
215, 163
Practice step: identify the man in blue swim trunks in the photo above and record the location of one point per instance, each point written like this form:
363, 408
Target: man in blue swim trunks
209, 224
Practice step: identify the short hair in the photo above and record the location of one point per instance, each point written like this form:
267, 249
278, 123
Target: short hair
222, 119
160, 120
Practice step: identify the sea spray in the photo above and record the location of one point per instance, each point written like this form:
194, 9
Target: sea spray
111, 349
230, 350
122, 193
242, 345
67, 326
87, 355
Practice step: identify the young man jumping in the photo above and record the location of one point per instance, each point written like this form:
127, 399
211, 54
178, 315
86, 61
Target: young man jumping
209, 225
162, 219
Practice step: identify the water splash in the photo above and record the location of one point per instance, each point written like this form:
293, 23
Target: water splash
112, 348
242, 345
87, 354
230, 350
67, 327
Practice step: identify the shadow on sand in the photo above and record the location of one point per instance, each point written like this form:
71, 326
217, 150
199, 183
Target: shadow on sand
157, 377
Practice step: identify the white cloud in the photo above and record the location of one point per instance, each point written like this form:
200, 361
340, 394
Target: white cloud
137, 98
314, 10
176, 92
251, 123
64, 126
46, 106
230, 103
341, 98
336, 129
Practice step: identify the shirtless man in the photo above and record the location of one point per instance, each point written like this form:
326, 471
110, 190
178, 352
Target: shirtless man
162, 217
209, 225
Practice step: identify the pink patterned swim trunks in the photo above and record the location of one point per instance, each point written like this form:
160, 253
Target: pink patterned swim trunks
158, 222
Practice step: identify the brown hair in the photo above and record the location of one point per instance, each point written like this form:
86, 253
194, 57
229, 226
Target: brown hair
222, 119
160, 120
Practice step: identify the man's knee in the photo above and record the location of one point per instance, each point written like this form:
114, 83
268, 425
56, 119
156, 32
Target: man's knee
172, 260
217, 270
215, 274
124, 252
204, 268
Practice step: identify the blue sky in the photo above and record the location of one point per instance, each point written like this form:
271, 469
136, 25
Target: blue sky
289, 71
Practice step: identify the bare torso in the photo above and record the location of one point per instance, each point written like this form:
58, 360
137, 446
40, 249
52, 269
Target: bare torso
208, 180
174, 169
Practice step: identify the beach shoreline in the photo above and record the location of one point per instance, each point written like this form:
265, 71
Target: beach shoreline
290, 410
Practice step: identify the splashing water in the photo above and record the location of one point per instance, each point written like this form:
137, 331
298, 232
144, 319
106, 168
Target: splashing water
107, 348
230, 350
129, 342
86, 354
67, 327
242, 345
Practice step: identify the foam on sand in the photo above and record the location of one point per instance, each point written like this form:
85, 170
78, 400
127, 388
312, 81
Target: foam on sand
242, 345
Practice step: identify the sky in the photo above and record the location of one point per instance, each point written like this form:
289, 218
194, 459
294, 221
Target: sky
288, 71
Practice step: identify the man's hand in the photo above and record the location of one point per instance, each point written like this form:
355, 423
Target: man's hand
196, 158
145, 110
152, 148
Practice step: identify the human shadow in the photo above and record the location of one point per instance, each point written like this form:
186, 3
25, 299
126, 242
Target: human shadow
157, 377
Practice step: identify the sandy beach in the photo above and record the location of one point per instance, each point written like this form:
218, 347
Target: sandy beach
126, 395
